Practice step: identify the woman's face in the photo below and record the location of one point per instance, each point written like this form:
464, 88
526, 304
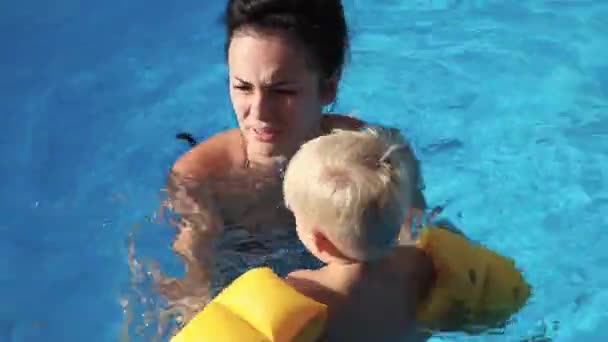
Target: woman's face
275, 92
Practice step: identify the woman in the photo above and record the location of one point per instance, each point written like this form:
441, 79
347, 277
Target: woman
285, 59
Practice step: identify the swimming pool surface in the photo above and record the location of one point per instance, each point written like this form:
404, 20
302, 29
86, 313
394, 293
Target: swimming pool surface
506, 101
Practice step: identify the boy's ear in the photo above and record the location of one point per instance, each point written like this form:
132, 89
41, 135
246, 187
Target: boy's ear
327, 248
324, 245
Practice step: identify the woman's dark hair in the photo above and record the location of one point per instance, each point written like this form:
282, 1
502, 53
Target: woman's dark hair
319, 24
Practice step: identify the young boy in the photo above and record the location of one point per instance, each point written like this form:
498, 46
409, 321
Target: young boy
349, 192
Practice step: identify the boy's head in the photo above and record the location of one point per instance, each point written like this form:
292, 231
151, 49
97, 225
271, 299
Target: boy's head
349, 192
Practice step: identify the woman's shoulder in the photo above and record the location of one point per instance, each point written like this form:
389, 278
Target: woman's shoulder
216, 154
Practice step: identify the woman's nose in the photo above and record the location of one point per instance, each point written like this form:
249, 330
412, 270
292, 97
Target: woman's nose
261, 106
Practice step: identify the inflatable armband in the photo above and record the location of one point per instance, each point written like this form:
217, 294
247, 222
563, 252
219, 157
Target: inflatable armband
257, 306
474, 288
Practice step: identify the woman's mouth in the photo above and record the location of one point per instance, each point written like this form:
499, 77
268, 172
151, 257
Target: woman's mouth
265, 134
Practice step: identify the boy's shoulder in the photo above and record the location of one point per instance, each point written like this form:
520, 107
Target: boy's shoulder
409, 259
314, 284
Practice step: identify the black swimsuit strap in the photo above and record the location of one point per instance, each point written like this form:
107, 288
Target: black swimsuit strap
187, 137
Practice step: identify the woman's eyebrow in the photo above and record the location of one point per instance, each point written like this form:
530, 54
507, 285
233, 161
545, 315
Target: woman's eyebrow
241, 80
269, 83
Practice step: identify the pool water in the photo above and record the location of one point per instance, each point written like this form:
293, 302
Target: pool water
506, 102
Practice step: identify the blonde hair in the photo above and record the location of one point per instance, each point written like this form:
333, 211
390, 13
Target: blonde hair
355, 186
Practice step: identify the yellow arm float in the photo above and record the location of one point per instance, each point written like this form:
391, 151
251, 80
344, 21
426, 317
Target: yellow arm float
474, 288
257, 306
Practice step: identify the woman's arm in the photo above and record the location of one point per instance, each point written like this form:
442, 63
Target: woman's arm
197, 224
190, 183
198, 220
416, 212
418, 205
191, 199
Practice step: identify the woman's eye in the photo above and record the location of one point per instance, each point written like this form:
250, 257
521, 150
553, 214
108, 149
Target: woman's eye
285, 91
242, 87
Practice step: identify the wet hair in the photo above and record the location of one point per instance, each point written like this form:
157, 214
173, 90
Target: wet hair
318, 24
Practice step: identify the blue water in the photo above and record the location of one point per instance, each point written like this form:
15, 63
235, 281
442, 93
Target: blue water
506, 101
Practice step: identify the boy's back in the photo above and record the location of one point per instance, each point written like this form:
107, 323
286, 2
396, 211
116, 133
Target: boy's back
372, 301
349, 193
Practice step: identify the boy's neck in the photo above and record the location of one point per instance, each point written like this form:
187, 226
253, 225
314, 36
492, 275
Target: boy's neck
347, 262
338, 260
338, 270
342, 263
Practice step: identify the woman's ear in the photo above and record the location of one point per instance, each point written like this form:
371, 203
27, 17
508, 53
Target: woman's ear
329, 90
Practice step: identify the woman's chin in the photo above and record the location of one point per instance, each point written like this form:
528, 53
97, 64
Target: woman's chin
261, 150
